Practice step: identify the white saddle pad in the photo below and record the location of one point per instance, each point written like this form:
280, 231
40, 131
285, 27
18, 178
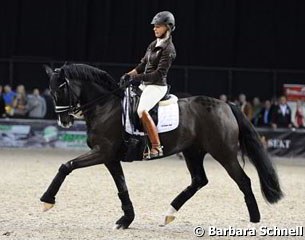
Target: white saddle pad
168, 116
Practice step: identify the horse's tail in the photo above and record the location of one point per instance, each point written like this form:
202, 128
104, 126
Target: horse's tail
251, 145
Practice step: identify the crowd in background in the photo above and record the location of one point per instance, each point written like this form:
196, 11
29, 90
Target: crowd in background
270, 113
21, 104
274, 113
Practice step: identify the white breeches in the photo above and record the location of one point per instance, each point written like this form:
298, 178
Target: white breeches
151, 95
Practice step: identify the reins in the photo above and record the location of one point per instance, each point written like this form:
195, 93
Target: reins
89, 105
73, 110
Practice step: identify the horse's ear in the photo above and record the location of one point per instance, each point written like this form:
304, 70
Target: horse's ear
48, 70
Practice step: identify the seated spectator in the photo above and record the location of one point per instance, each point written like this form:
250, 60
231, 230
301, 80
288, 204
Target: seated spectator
2, 103
245, 107
36, 105
256, 106
281, 116
265, 115
223, 97
9, 96
20, 101
299, 115
50, 114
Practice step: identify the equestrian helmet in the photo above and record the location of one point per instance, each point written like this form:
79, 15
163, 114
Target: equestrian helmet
166, 18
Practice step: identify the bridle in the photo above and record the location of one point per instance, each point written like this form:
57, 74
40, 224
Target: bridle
74, 107
71, 109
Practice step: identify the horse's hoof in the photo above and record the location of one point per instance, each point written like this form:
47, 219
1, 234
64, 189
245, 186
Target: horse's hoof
47, 206
169, 219
255, 220
116, 226
123, 222
119, 226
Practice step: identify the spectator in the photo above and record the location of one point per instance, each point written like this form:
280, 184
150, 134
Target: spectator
36, 105
245, 106
299, 115
9, 96
50, 114
20, 101
281, 116
236, 102
256, 103
223, 97
2, 103
265, 115
274, 105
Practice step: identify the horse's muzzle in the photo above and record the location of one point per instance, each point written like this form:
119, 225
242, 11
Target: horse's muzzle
65, 120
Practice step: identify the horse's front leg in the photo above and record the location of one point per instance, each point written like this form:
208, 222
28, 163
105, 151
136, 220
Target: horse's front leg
93, 157
115, 169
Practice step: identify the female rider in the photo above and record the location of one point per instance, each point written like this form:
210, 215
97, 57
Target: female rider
152, 74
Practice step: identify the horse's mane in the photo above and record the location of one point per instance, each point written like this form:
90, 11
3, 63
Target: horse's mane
89, 73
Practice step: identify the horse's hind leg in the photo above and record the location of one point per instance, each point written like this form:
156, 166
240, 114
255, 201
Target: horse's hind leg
91, 158
235, 171
194, 161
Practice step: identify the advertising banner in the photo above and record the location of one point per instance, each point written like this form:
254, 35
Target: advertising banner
47, 134
283, 142
294, 92
41, 134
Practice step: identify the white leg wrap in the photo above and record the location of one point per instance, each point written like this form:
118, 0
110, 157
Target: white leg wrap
169, 216
171, 211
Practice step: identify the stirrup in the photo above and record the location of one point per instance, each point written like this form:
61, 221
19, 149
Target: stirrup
149, 155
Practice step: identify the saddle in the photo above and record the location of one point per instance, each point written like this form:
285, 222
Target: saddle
134, 99
135, 138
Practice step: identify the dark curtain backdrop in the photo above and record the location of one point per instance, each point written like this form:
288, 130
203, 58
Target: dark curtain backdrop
261, 34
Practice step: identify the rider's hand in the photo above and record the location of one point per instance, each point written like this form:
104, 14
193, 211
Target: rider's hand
126, 78
132, 72
134, 82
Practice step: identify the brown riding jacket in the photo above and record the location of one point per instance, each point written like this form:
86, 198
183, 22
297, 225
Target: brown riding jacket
156, 62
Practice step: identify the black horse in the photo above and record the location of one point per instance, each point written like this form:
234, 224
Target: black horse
206, 126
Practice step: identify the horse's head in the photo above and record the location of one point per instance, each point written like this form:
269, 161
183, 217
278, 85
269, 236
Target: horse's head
65, 96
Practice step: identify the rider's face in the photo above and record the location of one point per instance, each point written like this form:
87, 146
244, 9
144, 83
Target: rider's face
160, 30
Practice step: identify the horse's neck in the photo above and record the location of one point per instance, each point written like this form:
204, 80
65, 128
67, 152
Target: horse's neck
90, 91
108, 108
